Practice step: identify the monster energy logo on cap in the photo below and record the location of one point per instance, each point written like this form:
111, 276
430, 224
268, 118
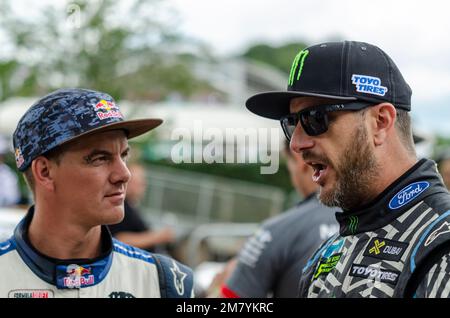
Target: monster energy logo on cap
353, 224
300, 57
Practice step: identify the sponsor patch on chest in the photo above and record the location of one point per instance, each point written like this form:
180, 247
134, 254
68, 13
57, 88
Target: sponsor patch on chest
408, 194
31, 293
374, 273
327, 264
385, 249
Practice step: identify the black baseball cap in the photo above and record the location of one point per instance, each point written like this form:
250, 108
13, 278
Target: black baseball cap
346, 71
68, 114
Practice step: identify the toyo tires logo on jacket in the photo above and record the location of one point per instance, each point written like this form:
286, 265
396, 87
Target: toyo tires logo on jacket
408, 194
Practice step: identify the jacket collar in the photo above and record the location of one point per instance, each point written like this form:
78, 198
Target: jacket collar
68, 273
413, 186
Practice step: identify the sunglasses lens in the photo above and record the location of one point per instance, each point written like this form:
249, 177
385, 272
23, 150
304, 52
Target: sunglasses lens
314, 122
288, 124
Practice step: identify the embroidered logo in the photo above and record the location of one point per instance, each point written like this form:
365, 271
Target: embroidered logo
178, 278
19, 157
368, 85
353, 224
78, 276
385, 249
107, 109
374, 273
377, 246
444, 228
120, 294
30, 293
407, 194
297, 64
326, 265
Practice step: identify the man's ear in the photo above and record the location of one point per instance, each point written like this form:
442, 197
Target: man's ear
42, 172
384, 116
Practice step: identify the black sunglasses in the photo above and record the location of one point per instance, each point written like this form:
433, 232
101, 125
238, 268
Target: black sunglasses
315, 119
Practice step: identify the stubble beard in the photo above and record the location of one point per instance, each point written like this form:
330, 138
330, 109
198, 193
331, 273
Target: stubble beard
355, 174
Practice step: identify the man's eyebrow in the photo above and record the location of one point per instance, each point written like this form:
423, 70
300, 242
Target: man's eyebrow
98, 152
127, 150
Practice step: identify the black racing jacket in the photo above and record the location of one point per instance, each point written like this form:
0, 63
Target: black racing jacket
385, 248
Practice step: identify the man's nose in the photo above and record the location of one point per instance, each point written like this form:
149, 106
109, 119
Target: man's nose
121, 173
300, 140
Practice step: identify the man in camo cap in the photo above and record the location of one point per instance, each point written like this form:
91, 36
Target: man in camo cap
72, 146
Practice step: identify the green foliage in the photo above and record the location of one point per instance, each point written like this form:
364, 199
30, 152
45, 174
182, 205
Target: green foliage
442, 141
126, 48
280, 57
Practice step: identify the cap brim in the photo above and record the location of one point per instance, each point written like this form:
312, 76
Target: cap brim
275, 105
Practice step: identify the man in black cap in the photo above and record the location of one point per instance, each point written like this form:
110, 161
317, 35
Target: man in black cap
346, 112
72, 146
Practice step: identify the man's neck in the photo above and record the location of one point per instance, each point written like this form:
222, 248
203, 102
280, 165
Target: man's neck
392, 169
54, 238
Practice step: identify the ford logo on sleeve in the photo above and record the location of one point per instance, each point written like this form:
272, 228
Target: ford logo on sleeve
408, 194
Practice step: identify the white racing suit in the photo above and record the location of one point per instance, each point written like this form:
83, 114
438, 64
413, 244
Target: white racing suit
121, 271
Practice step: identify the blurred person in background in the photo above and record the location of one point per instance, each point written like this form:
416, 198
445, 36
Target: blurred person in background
270, 263
9, 186
133, 229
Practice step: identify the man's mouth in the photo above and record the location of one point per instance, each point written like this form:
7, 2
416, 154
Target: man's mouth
320, 170
119, 195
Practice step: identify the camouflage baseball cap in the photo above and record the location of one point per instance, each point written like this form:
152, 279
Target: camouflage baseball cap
65, 115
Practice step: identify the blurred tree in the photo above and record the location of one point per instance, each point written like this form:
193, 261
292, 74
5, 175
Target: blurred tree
443, 141
129, 49
280, 57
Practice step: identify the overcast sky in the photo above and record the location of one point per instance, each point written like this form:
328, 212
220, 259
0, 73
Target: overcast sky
416, 34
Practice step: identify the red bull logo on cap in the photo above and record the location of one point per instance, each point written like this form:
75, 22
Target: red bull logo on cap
19, 158
106, 109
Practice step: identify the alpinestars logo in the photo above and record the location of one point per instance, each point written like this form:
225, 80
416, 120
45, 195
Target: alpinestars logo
444, 228
178, 278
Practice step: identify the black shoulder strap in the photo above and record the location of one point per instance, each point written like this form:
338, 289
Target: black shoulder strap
175, 279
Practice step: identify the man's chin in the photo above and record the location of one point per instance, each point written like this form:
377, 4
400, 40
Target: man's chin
115, 216
327, 197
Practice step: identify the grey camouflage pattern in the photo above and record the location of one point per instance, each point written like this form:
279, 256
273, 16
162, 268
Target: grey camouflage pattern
58, 118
